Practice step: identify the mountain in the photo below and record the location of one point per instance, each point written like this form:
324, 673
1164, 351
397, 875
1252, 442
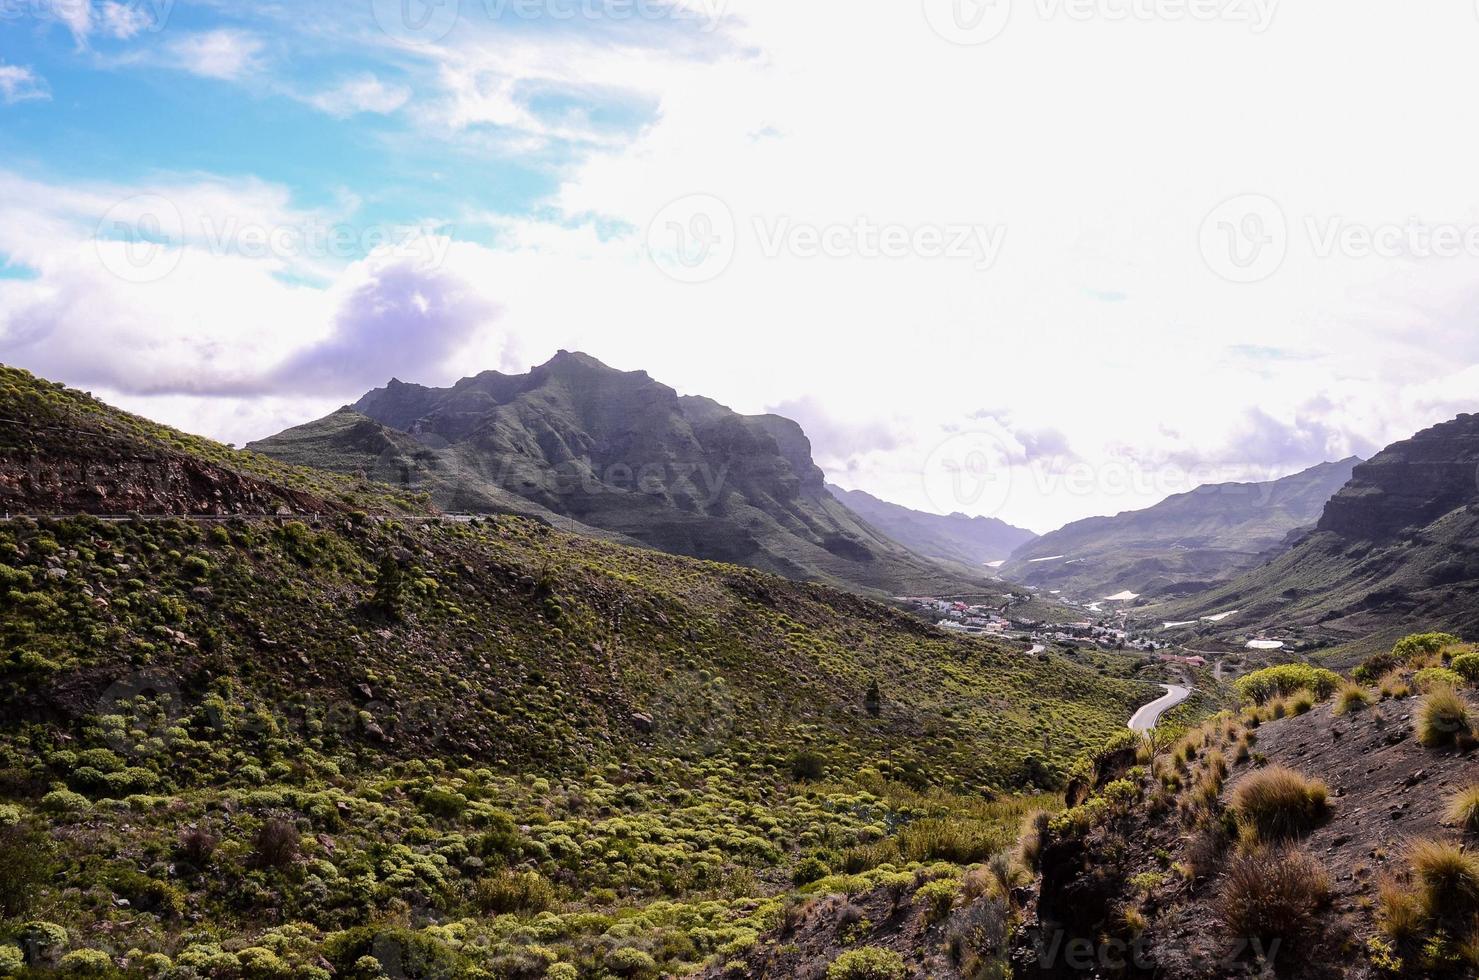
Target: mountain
1181, 544
362, 740
1398, 545
584, 445
971, 541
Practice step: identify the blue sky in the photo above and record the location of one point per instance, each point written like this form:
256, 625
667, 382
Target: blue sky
920, 235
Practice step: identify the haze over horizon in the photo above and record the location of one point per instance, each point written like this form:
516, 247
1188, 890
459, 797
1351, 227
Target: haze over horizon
723, 195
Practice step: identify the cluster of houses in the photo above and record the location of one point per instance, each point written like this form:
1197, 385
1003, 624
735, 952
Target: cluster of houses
963, 618
990, 619
1098, 634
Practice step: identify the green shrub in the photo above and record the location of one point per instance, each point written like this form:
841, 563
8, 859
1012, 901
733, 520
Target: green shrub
25, 866
47, 939
1466, 665
1277, 804
631, 962
12, 961
957, 840
1423, 644
444, 803
148, 894
85, 963
1265, 685
868, 963
938, 898
1431, 677
1442, 717
507, 892
809, 870
392, 950
1403, 653
808, 765
64, 801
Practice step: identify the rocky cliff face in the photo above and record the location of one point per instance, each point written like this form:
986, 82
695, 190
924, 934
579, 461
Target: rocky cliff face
142, 485
578, 441
1410, 484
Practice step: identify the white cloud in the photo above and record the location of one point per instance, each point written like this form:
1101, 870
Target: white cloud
363, 93
124, 21
226, 54
19, 84
1101, 327
85, 18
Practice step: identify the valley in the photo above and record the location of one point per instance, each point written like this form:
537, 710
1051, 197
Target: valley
267, 719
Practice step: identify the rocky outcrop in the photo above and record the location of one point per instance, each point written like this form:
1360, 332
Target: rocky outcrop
578, 441
1410, 484
143, 485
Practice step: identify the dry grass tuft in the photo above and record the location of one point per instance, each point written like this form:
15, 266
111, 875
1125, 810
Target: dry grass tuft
1448, 879
1351, 696
1278, 804
1274, 895
1444, 715
1463, 809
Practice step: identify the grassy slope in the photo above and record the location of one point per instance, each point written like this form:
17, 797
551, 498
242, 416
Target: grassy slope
164, 675
44, 424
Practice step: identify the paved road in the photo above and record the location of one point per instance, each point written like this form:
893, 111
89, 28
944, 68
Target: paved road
1146, 718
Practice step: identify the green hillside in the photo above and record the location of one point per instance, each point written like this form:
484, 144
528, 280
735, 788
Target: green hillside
1182, 544
259, 746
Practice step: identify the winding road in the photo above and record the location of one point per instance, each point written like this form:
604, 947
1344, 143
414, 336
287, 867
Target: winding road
1146, 718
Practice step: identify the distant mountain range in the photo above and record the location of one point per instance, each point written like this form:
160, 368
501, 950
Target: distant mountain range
972, 541
1184, 543
591, 448
1397, 546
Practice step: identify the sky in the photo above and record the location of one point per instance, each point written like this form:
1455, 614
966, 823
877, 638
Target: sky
1032, 259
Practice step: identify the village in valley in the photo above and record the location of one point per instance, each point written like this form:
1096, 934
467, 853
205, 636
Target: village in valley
1097, 629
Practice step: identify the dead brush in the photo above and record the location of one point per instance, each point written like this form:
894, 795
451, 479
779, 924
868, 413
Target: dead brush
1274, 894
